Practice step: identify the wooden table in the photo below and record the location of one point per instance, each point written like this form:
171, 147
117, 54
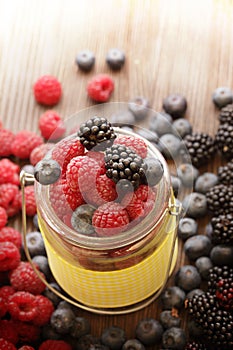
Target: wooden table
171, 47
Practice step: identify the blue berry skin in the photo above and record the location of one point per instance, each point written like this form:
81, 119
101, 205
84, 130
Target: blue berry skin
222, 254
28, 168
114, 337
195, 205
176, 184
123, 118
188, 174
174, 338
49, 333
55, 299
62, 320
81, 219
42, 262
115, 58
85, 60
149, 331
168, 320
80, 327
139, 107
187, 228
182, 127
47, 171
175, 105
187, 278
172, 297
169, 145
153, 171
204, 264
196, 291
35, 222
149, 135
161, 123
222, 96
205, 181
197, 246
35, 243
89, 341
133, 344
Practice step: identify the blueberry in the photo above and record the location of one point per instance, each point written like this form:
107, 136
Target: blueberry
54, 298
62, 320
172, 297
114, 337
42, 262
222, 96
197, 246
204, 264
85, 60
154, 171
196, 291
28, 168
187, 228
35, 243
187, 278
175, 105
174, 338
149, 331
64, 305
182, 127
81, 219
187, 173
88, 341
133, 344
47, 171
35, 222
222, 254
149, 135
169, 145
80, 327
168, 319
115, 58
205, 181
48, 332
176, 184
195, 205
161, 123
123, 118
139, 107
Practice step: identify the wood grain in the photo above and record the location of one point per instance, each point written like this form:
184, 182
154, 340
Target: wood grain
171, 46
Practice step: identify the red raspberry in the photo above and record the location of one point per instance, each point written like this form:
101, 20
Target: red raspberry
47, 90
9, 172
6, 292
39, 152
3, 217
26, 347
58, 199
110, 219
8, 331
22, 306
100, 88
54, 345
45, 309
6, 345
99, 158
3, 307
27, 332
6, 139
51, 125
135, 143
74, 199
1, 125
10, 234
9, 256
29, 200
24, 142
104, 190
24, 278
9, 195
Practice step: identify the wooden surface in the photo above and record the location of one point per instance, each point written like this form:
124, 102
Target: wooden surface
171, 47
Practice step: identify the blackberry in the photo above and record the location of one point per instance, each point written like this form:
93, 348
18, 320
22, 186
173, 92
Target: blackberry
226, 115
225, 173
195, 346
224, 293
224, 140
220, 199
96, 132
200, 147
222, 229
124, 165
217, 324
216, 274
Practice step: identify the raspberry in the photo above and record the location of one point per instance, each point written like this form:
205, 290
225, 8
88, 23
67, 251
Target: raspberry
8, 331
6, 345
9, 172
10, 234
74, 199
1, 125
55, 345
3, 307
110, 219
51, 125
6, 292
24, 142
9, 256
3, 217
99, 158
26, 347
24, 278
135, 143
45, 309
9, 194
103, 190
47, 90
22, 306
58, 199
39, 152
27, 332
6, 139
29, 200
100, 88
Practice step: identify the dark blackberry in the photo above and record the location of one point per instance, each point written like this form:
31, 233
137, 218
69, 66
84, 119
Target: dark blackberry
195, 346
225, 173
96, 132
200, 147
124, 164
217, 324
224, 140
220, 199
222, 229
224, 293
226, 115
216, 274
